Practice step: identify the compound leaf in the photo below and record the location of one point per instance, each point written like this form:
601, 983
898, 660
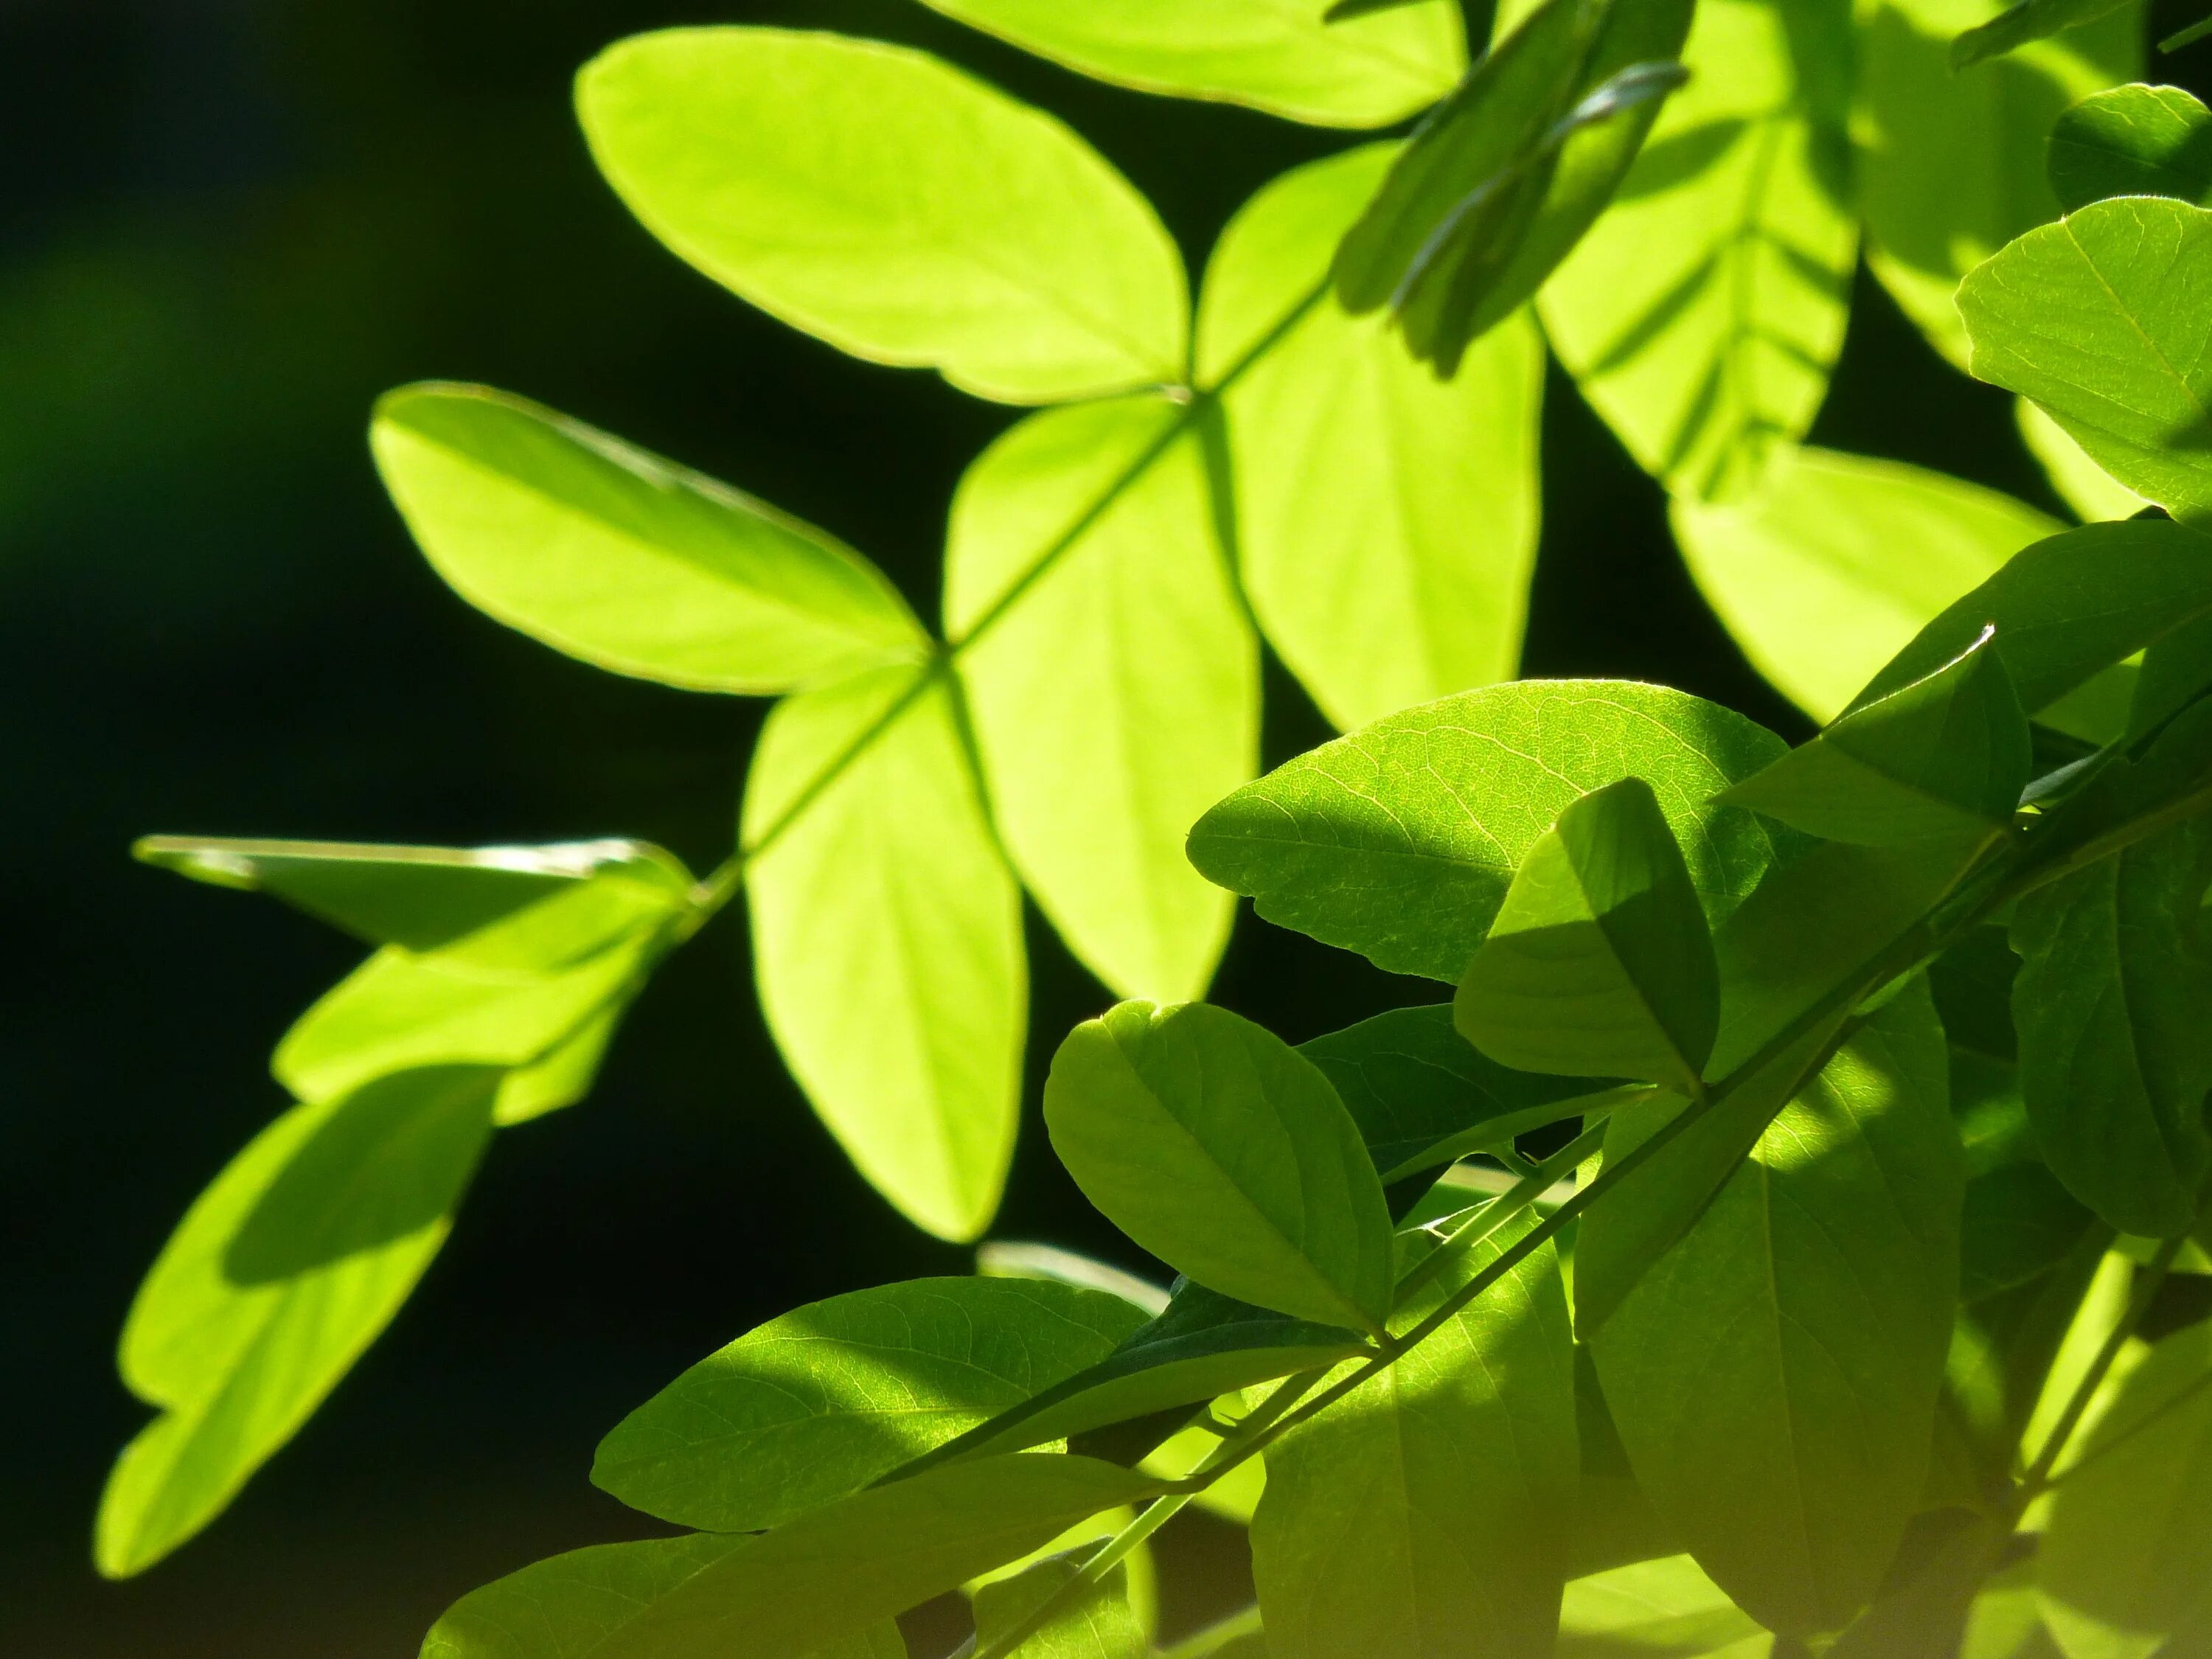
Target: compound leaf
1098, 1623
282, 1272
2115, 1042
2133, 141
2103, 319
1400, 840
1385, 520
826, 1399
1774, 1375
1284, 59
887, 937
1430, 1503
1944, 755
893, 205
1112, 678
1217, 1147
1837, 561
621, 559
1598, 960
1702, 312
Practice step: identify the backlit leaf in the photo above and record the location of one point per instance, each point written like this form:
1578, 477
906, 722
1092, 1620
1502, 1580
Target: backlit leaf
2133, 141
893, 205
284, 1271
1599, 961
1097, 1623
1400, 840
1385, 520
1662, 1609
2023, 21
1281, 58
2094, 494
887, 937
1113, 680
1221, 1150
1702, 312
824, 1400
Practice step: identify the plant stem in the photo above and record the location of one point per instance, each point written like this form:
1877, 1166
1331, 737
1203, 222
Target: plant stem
1217, 1636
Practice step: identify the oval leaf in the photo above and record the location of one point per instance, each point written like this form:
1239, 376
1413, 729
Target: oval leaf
2133, 141
1217, 1147
899, 209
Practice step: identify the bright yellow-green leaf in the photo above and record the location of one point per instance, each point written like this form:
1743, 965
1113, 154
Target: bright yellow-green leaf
1113, 680
887, 939
1280, 57
1097, 1622
281, 1273
624, 560
1385, 520
892, 204
1662, 1609
1702, 313
2094, 494
1838, 561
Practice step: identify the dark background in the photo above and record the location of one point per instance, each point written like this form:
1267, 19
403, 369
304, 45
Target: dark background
225, 226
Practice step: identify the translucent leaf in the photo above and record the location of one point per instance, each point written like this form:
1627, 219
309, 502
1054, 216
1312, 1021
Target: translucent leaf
1428, 1504
1116, 693
1702, 312
1232, 1496
1010, 1258
2115, 1044
284, 1271
1598, 960
830, 1576
624, 560
2021, 23
1951, 166
1283, 58
1400, 840
887, 938
1837, 561
1385, 520
2115, 343
1944, 755
1221, 1150
2093, 494
1774, 1375
1662, 1609
2133, 141
1096, 1623
893, 205
826, 1399
2127, 1564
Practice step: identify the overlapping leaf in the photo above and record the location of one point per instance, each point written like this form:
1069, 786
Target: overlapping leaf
2133, 141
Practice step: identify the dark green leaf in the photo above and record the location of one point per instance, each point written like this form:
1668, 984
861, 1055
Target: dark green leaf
822, 1400
1599, 961
2114, 1008
1400, 841
2133, 141
2030, 19
1217, 1147
1097, 1623
1944, 755
2176, 672
1972, 983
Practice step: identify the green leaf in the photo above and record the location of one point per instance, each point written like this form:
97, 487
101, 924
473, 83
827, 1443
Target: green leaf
1504, 177
1399, 841
2133, 141
1283, 59
893, 205
887, 938
2093, 494
281, 1274
1116, 693
824, 1400
1386, 521
1217, 1147
1830, 569
1429, 1503
1774, 1375
1098, 1623
2115, 343
2127, 1563
537, 990
1659, 1609
1702, 314
624, 560
1951, 166
828, 1577
1599, 961
2115, 1042
1009, 1259
2029, 20
1945, 756
1423, 1095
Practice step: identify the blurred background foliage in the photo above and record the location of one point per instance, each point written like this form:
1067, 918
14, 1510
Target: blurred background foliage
226, 226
